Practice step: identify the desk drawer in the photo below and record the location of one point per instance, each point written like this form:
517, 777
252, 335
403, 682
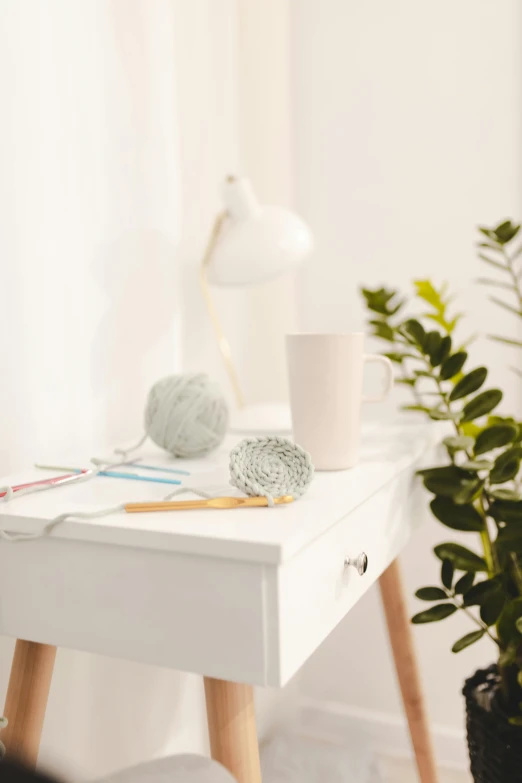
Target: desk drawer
196, 614
235, 620
315, 588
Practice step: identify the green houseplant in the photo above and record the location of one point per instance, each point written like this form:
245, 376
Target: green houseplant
500, 249
476, 490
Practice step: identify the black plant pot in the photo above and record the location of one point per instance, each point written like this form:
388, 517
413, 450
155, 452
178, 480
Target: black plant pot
495, 746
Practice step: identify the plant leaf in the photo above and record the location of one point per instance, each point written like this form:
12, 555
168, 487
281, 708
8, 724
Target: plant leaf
496, 248
431, 594
509, 539
470, 429
441, 415
414, 332
506, 231
492, 607
476, 464
469, 491
459, 442
490, 261
508, 656
444, 350
466, 640
465, 583
446, 573
488, 232
506, 465
437, 347
494, 437
452, 365
469, 383
432, 343
446, 480
433, 615
501, 493
481, 404
457, 517
505, 340
461, 557
506, 511
449, 326
419, 408
380, 301
495, 283
505, 305
507, 623
426, 290
398, 358
480, 592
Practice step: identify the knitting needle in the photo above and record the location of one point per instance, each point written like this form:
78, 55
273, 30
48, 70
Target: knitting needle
55, 480
116, 474
136, 477
162, 470
224, 502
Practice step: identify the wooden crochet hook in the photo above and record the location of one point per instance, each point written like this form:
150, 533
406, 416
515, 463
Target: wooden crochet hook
224, 502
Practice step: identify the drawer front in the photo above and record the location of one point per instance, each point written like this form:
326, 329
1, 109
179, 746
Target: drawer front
316, 589
190, 613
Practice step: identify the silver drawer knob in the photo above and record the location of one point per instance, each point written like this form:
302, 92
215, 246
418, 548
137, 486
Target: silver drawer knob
360, 563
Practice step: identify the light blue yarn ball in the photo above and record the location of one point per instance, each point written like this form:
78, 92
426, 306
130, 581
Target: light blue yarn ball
186, 414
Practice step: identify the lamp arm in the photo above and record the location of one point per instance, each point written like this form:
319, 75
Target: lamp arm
223, 344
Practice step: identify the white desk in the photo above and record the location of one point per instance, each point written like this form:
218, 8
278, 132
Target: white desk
241, 596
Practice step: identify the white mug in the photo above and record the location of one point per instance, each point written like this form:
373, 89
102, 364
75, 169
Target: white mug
326, 379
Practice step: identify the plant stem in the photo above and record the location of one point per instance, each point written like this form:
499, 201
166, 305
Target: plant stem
472, 617
514, 278
488, 551
517, 571
490, 554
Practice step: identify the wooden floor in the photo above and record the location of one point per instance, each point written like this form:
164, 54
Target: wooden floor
299, 759
394, 770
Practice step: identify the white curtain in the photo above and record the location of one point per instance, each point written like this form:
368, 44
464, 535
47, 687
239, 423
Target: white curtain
114, 111
90, 216
89, 203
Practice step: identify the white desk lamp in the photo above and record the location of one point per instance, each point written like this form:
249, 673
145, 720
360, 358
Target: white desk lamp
250, 244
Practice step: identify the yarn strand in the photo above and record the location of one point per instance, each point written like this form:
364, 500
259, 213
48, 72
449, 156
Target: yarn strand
268, 467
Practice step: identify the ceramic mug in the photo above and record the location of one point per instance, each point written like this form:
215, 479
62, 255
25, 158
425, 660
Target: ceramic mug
326, 379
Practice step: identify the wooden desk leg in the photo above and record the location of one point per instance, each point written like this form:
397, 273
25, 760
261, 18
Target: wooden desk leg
26, 700
399, 631
232, 728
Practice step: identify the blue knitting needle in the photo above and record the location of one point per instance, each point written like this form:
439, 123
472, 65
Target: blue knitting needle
135, 477
162, 470
115, 474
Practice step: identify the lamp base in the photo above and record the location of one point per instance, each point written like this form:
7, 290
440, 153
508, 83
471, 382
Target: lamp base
264, 419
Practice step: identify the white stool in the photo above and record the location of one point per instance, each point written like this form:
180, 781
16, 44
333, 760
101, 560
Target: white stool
184, 768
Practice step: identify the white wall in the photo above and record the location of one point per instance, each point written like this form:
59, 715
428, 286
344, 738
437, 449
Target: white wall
246, 129
408, 133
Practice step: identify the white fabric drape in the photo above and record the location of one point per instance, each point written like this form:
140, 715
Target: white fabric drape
89, 199
90, 214
93, 92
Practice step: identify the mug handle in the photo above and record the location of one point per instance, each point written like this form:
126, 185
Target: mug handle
377, 359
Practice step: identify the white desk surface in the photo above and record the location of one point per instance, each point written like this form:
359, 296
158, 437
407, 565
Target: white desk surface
265, 535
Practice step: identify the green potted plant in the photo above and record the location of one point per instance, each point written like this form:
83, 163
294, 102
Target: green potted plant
477, 490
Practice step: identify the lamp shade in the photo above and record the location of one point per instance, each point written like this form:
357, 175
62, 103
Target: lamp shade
256, 243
